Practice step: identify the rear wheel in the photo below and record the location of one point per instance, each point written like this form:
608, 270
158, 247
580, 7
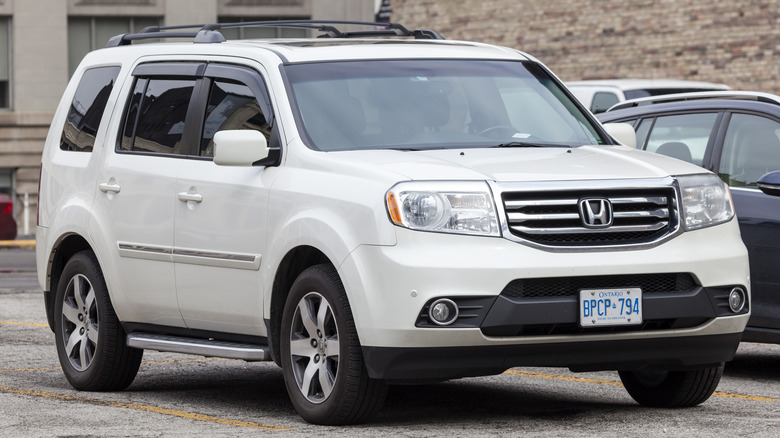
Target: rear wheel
322, 361
90, 341
671, 389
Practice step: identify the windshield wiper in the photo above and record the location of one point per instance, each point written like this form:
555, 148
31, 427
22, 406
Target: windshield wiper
526, 144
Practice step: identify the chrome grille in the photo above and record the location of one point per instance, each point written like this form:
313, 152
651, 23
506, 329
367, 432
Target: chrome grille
554, 218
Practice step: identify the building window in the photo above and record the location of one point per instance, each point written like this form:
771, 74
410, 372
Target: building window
6, 181
238, 33
5, 65
86, 34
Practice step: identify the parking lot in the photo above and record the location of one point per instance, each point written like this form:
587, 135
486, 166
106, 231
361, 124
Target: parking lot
178, 395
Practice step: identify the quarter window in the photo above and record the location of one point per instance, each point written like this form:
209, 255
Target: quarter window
751, 149
231, 106
87, 108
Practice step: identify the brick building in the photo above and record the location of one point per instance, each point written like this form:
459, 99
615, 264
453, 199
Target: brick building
735, 42
727, 41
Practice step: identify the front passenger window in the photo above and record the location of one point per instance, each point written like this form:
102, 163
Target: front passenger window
750, 150
231, 106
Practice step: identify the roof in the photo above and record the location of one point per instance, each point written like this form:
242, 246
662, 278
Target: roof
647, 84
704, 95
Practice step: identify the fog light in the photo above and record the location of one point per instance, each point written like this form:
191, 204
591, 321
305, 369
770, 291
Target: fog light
737, 299
443, 312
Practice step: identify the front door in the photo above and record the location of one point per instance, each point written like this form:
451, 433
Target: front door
220, 232
751, 148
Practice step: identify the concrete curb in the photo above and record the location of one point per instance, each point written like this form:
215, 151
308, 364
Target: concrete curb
17, 244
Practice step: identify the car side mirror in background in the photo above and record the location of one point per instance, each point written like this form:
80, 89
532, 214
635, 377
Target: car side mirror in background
770, 183
239, 147
622, 132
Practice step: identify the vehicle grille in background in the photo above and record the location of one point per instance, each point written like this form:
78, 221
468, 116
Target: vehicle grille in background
552, 218
570, 286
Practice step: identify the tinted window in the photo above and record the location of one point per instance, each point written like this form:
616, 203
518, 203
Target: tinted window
87, 108
750, 150
682, 136
231, 106
160, 115
131, 115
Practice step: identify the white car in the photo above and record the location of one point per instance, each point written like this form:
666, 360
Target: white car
371, 211
600, 95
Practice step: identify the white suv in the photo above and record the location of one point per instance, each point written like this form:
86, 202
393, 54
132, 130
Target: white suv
369, 211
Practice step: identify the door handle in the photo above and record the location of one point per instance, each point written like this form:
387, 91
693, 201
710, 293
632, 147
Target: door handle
190, 197
109, 188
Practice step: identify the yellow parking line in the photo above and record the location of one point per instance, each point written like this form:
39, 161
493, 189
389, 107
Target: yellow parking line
146, 362
30, 369
559, 377
614, 383
34, 324
145, 408
29, 243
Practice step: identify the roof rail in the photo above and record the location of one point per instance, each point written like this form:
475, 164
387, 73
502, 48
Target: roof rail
209, 33
699, 95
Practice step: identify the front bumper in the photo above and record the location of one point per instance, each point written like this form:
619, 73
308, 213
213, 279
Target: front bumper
389, 287
432, 364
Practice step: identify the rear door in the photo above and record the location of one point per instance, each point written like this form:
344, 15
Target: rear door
137, 188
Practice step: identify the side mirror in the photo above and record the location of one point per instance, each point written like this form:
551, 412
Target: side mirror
770, 183
622, 132
239, 147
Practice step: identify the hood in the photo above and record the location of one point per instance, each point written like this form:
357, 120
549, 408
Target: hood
523, 164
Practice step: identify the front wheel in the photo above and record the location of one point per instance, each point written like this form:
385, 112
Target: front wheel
90, 340
671, 389
322, 360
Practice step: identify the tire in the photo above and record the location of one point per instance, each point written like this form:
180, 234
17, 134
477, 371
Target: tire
90, 341
671, 389
322, 361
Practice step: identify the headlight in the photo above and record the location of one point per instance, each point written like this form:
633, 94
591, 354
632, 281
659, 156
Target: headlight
447, 207
706, 201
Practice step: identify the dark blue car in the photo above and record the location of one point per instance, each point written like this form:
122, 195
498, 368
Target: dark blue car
737, 136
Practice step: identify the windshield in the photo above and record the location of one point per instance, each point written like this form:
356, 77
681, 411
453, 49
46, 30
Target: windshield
433, 104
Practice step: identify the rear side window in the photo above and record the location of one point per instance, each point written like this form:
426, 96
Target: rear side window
603, 101
156, 116
87, 108
682, 136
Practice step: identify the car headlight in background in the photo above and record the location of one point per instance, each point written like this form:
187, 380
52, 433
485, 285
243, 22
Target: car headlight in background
446, 207
706, 201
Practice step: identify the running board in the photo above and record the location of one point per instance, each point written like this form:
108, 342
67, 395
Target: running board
201, 347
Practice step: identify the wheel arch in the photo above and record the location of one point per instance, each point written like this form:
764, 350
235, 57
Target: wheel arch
65, 248
296, 261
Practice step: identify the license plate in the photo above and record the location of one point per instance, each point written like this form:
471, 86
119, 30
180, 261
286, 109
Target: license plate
605, 307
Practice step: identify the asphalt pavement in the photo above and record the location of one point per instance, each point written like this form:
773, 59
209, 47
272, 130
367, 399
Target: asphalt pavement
181, 395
